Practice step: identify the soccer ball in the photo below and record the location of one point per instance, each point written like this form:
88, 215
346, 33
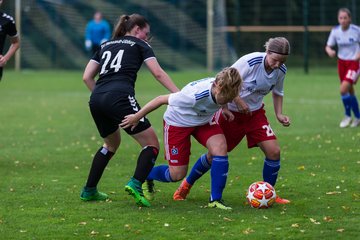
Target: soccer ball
261, 195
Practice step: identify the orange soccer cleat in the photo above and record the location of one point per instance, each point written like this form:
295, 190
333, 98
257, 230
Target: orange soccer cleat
280, 200
182, 191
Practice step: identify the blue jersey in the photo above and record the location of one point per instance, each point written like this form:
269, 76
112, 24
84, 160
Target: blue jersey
97, 32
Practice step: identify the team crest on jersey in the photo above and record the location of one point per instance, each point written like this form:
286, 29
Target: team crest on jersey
174, 151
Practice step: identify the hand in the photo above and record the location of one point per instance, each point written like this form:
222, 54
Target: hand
3, 61
227, 114
242, 106
88, 45
129, 121
284, 120
333, 54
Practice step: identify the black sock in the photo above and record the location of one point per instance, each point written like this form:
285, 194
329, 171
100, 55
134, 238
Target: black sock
100, 161
145, 162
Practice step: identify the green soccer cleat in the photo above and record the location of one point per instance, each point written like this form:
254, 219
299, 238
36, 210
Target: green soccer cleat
149, 189
133, 187
219, 204
92, 194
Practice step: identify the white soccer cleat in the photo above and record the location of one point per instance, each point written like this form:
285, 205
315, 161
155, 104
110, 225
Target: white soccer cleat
355, 122
345, 122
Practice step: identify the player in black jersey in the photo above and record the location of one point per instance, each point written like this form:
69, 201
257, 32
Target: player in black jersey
113, 97
7, 28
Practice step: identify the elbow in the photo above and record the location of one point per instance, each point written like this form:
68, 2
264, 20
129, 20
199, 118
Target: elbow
17, 46
158, 75
86, 79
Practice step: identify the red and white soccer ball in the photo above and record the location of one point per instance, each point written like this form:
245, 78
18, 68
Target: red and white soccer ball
261, 195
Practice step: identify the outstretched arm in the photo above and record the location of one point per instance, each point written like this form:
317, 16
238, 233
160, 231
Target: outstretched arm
161, 75
133, 119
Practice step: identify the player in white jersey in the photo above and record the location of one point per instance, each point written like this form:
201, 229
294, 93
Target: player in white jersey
189, 113
346, 37
262, 73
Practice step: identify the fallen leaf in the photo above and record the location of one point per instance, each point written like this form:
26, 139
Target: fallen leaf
328, 219
227, 219
301, 167
333, 193
314, 221
248, 231
356, 196
295, 225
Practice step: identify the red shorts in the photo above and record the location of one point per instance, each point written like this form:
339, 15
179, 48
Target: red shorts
348, 70
256, 128
177, 142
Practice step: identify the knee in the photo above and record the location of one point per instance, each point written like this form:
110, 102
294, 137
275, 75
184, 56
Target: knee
177, 175
345, 88
153, 149
274, 153
218, 149
344, 91
112, 148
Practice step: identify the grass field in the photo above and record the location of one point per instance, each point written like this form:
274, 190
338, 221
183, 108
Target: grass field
48, 138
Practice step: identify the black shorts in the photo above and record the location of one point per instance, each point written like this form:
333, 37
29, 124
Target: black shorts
109, 109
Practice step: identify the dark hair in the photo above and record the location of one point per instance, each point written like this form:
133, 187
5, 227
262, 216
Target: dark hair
127, 22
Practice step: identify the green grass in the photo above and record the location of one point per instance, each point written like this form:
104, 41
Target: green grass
48, 138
